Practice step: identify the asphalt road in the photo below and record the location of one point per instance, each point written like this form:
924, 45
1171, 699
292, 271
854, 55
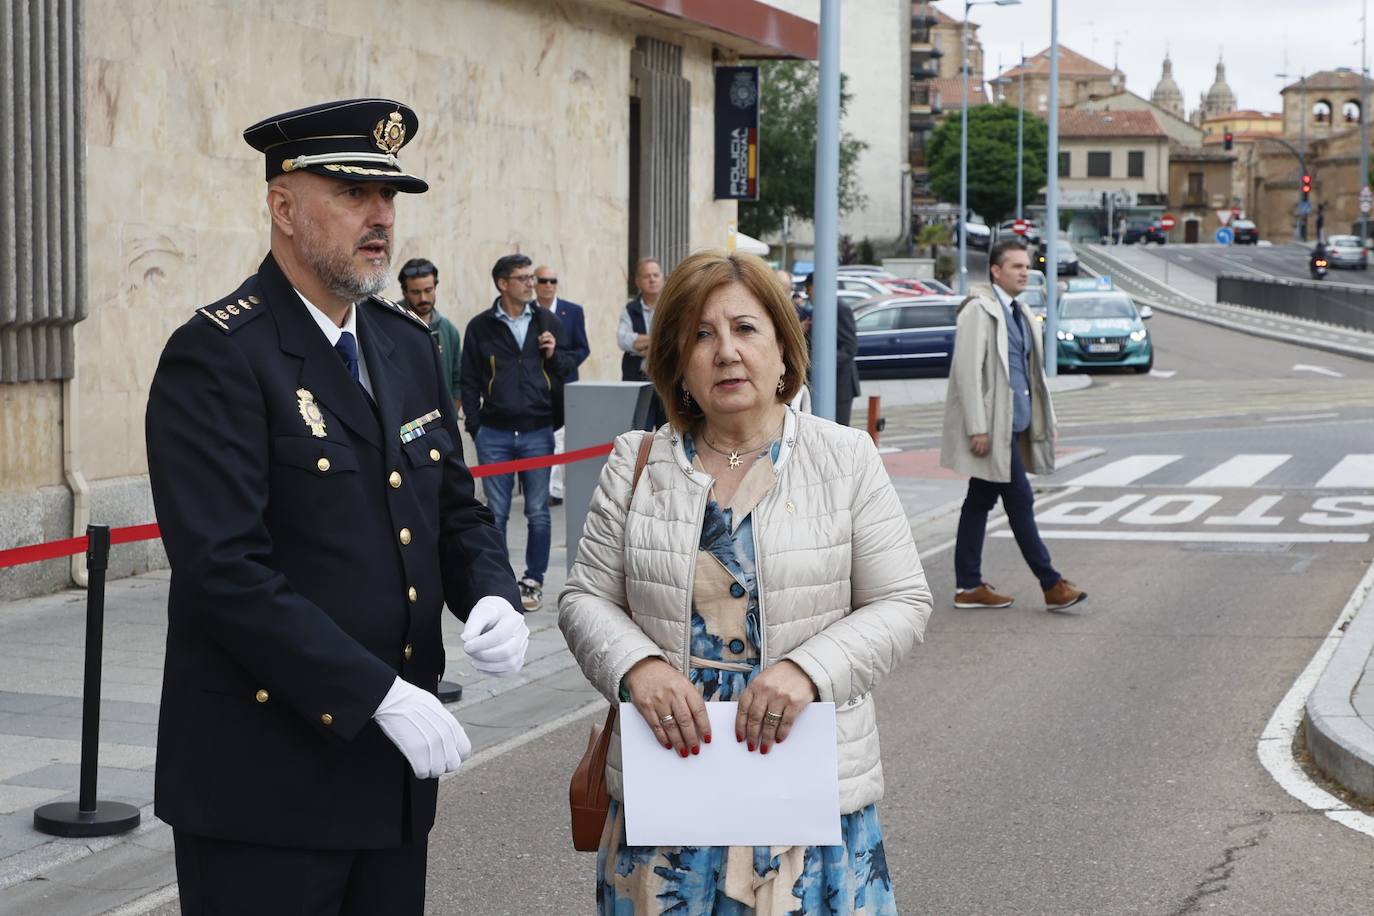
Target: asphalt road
1099, 762
1283, 259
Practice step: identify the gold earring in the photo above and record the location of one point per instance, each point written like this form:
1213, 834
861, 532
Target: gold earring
686, 399
781, 382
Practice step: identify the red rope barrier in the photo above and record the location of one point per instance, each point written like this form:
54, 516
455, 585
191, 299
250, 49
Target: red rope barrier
35, 553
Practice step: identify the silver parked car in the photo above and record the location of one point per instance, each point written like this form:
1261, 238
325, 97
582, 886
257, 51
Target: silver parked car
1346, 251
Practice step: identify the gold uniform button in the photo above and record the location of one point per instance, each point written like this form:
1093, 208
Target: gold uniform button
434, 454
395, 480
326, 720
409, 650
322, 464
412, 594
262, 696
405, 535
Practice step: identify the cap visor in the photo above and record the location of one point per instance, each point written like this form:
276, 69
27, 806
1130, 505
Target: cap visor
409, 184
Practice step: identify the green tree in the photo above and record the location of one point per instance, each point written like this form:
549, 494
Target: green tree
991, 160
787, 149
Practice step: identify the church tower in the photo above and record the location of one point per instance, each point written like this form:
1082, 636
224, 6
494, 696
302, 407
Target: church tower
1167, 95
1219, 99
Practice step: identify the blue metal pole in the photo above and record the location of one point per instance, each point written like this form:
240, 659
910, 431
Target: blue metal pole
963, 162
823, 319
1052, 205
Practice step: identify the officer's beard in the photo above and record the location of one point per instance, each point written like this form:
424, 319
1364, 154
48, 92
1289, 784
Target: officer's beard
334, 266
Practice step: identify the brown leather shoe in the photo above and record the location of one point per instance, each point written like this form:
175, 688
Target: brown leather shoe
1064, 595
982, 596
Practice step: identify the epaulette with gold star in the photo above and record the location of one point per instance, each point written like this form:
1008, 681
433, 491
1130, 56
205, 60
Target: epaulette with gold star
401, 309
233, 311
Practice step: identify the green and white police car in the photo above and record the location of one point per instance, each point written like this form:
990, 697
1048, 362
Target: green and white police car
1099, 325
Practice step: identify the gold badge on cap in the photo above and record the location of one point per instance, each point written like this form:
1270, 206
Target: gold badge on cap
390, 133
310, 412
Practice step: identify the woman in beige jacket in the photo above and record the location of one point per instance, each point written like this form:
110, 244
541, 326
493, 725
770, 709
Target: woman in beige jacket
769, 562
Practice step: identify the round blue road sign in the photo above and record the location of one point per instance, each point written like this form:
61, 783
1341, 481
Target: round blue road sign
1225, 235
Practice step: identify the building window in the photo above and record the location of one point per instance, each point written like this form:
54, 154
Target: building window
1321, 112
1350, 112
1100, 165
1063, 165
1135, 164
1194, 185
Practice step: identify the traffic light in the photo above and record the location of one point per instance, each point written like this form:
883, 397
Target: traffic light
1229, 140
1306, 186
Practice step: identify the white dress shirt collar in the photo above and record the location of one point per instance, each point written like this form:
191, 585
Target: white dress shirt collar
332, 333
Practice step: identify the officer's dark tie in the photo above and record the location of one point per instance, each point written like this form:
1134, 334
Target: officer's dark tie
347, 348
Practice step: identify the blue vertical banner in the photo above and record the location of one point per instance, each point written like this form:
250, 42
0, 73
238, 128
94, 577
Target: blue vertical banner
737, 133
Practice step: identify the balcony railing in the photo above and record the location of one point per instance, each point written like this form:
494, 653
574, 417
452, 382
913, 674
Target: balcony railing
1191, 199
922, 70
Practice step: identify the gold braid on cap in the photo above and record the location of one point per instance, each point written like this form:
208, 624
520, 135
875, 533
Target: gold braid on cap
301, 162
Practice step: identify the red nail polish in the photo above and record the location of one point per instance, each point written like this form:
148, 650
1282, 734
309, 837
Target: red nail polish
682, 752
764, 749
738, 737
696, 749
751, 745
706, 738
667, 745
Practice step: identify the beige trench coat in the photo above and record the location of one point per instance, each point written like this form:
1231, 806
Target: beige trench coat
978, 398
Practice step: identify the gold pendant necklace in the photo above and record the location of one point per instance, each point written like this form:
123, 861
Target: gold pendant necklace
733, 456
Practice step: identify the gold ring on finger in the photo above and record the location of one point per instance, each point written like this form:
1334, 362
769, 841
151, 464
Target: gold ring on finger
666, 720
773, 717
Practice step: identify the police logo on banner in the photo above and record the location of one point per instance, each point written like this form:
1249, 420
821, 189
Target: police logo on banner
737, 133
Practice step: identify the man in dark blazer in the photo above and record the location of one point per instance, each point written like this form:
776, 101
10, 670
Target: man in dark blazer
846, 349
574, 322
309, 481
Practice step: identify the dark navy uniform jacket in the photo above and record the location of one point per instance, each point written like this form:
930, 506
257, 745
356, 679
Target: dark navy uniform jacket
312, 552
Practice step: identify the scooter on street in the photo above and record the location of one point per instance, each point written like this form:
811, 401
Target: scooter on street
1319, 268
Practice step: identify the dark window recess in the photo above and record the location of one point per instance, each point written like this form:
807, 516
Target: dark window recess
1135, 164
1063, 165
1100, 165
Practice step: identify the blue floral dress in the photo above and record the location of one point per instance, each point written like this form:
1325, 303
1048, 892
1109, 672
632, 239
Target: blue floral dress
730, 880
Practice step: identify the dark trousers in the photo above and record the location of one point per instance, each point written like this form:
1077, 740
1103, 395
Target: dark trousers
1019, 501
224, 878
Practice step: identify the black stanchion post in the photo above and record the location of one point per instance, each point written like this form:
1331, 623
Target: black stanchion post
89, 817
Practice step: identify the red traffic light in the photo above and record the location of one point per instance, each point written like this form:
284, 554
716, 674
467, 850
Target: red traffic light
1306, 184
1229, 138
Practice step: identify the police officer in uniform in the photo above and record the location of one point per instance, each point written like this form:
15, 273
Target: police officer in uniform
317, 513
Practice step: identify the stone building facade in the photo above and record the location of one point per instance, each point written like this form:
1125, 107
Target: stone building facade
534, 114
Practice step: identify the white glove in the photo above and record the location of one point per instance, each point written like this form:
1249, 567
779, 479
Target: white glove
422, 729
496, 637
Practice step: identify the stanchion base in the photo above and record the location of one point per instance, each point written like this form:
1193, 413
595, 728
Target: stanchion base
450, 692
67, 819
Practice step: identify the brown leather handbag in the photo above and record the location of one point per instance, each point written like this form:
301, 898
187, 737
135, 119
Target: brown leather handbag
587, 796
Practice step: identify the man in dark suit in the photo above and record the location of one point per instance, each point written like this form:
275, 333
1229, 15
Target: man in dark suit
309, 480
846, 349
574, 322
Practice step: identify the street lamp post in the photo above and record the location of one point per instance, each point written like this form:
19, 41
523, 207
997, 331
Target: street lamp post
1052, 204
963, 146
1020, 128
1364, 123
1300, 221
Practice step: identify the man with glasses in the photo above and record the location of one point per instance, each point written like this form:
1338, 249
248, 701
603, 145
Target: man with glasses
419, 281
575, 324
514, 363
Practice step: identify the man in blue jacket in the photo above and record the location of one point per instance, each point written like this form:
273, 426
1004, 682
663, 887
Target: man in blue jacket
515, 358
575, 324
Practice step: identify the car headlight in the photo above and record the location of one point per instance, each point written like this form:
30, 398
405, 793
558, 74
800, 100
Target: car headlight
1064, 335
1140, 335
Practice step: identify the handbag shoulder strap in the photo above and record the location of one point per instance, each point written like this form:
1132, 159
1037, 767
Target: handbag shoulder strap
646, 443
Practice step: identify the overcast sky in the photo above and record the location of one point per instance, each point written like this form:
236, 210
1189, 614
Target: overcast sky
1250, 34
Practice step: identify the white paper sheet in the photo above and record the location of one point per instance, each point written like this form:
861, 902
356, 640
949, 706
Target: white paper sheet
727, 796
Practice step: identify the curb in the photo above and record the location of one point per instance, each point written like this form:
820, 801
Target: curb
1184, 311
1339, 739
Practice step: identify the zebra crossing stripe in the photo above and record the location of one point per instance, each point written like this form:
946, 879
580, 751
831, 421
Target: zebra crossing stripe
1240, 471
1350, 471
1124, 471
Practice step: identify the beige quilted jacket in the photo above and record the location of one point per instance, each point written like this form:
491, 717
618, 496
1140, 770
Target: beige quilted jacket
842, 592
